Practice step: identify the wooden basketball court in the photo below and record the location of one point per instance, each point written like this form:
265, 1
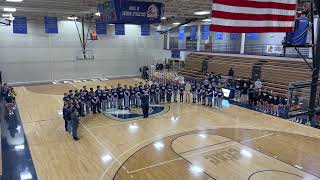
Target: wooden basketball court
187, 142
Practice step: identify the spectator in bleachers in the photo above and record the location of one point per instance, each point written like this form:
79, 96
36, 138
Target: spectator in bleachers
231, 72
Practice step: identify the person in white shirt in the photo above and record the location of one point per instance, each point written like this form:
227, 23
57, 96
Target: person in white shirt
258, 84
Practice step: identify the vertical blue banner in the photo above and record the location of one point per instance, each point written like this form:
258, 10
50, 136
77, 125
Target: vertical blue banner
20, 25
219, 35
181, 33
253, 36
235, 36
101, 27
120, 29
205, 32
145, 30
193, 33
51, 25
175, 53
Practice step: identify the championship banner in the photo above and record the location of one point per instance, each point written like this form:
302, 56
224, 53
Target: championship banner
193, 33
134, 12
20, 25
51, 25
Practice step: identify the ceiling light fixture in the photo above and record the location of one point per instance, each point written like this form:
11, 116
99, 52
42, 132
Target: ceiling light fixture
14, 0
200, 13
206, 20
7, 9
176, 23
72, 18
163, 18
97, 14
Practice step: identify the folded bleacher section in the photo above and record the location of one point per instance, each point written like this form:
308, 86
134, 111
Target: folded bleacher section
276, 74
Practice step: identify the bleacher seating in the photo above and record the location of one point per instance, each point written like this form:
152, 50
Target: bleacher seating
275, 74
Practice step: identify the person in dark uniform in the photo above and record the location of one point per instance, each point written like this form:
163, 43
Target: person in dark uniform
75, 123
231, 72
175, 92
94, 103
194, 93
120, 97
163, 93
270, 103
157, 94
132, 97
126, 97
99, 96
199, 92
265, 97
181, 92
276, 102
169, 93
153, 94
210, 95
204, 95
145, 104
67, 117
251, 96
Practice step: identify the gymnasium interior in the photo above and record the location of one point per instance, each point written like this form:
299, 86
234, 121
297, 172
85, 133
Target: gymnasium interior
160, 89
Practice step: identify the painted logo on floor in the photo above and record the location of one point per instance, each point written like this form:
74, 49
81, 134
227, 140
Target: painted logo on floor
135, 113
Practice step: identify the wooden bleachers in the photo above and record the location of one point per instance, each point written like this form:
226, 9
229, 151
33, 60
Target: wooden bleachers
275, 74
278, 74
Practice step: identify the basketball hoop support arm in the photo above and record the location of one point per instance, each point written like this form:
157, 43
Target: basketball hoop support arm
316, 63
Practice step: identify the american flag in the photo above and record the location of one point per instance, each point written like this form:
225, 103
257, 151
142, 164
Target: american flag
248, 16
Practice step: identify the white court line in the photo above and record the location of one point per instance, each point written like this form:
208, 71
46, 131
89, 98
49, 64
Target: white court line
212, 149
151, 139
148, 167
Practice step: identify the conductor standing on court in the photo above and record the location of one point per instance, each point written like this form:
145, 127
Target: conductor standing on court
145, 104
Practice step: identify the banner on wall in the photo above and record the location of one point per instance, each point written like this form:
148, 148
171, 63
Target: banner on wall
205, 32
252, 36
181, 33
175, 53
274, 49
219, 35
101, 27
235, 36
145, 30
120, 29
51, 25
134, 12
193, 33
20, 25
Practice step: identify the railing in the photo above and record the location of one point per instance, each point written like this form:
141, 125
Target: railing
250, 49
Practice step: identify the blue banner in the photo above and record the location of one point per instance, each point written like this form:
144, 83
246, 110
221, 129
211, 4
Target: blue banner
134, 12
193, 33
51, 25
219, 35
299, 36
175, 53
205, 32
235, 36
145, 30
120, 29
101, 27
252, 36
181, 33
20, 25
